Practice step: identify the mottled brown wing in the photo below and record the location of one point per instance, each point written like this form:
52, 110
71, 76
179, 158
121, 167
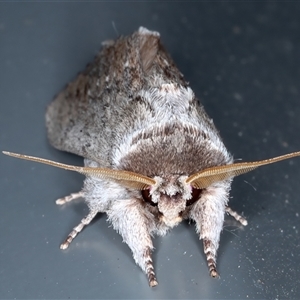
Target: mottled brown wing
90, 116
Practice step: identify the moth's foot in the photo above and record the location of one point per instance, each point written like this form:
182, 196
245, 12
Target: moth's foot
69, 198
210, 251
153, 282
151, 276
71, 236
85, 221
213, 273
235, 215
149, 268
66, 243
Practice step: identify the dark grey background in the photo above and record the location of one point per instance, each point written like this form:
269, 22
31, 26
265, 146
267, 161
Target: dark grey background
242, 60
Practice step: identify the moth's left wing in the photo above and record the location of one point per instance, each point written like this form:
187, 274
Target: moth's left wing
89, 116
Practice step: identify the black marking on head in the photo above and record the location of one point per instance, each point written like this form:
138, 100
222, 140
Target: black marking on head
147, 197
196, 193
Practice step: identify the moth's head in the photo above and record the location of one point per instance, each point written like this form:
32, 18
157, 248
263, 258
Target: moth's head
171, 195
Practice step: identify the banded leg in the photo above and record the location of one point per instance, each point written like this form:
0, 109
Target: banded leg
235, 215
134, 224
149, 268
69, 198
85, 221
210, 253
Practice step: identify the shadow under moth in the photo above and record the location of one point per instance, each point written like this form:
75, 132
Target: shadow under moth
152, 156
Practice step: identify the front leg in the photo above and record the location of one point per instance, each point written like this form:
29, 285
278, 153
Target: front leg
135, 224
208, 213
84, 222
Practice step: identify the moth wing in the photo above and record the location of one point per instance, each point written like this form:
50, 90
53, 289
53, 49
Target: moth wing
89, 116
72, 123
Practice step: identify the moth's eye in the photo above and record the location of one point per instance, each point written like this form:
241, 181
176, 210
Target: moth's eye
195, 196
147, 197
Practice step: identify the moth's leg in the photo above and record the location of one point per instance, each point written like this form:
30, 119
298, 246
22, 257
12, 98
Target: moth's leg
131, 220
69, 198
208, 213
235, 215
210, 250
85, 221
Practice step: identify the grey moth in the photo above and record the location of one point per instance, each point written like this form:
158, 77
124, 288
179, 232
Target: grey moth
152, 156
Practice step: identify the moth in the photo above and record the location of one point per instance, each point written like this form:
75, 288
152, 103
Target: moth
152, 156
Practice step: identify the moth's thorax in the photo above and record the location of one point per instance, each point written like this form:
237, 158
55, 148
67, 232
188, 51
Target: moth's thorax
174, 147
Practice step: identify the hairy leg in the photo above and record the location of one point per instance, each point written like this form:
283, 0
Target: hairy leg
135, 224
208, 213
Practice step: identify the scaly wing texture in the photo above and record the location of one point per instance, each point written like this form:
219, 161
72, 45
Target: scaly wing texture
131, 88
85, 117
